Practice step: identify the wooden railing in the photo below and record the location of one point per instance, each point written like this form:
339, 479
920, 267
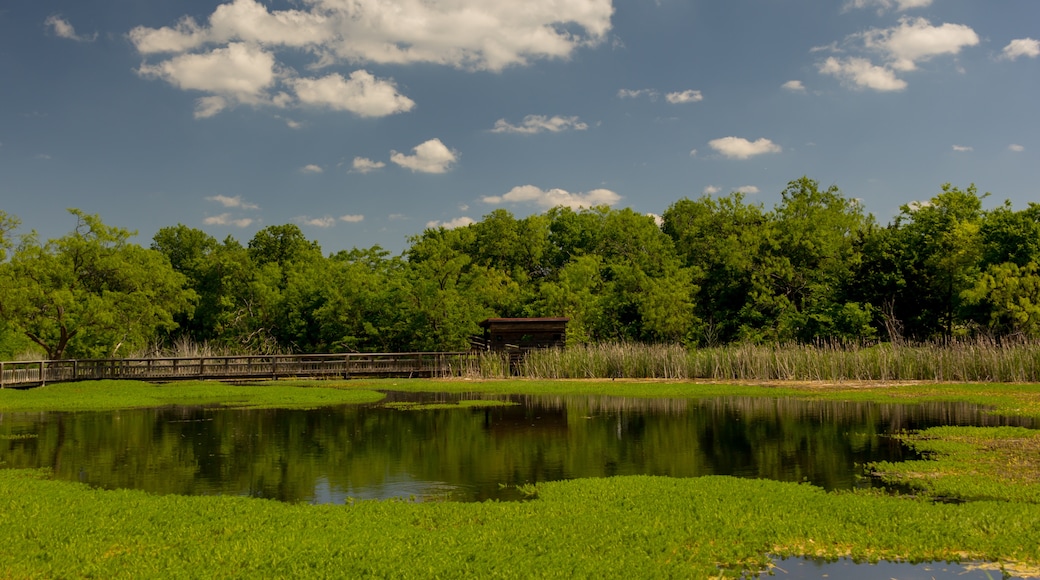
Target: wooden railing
417, 364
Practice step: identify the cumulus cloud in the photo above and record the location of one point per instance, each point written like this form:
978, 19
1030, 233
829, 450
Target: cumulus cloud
238, 73
711, 190
688, 96
1016, 148
225, 219
962, 148
861, 73
658, 220
1028, 47
364, 165
883, 5
361, 94
459, 222
793, 86
469, 34
430, 157
901, 48
529, 194
636, 93
740, 148
311, 168
318, 222
352, 219
540, 124
747, 189
915, 39
63, 29
235, 202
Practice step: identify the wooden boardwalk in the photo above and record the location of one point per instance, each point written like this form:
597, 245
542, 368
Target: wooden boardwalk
324, 366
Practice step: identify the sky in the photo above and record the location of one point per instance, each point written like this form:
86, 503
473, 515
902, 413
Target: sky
366, 121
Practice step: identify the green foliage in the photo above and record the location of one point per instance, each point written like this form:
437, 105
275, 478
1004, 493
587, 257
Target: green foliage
91, 293
971, 463
112, 395
617, 527
719, 271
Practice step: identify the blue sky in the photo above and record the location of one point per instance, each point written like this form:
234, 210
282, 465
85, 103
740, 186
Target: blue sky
366, 121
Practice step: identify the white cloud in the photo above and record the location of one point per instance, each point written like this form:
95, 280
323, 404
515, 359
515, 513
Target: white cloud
471, 34
657, 219
693, 152
636, 93
687, 96
364, 165
63, 29
396, 217
206, 107
362, 94
711, 190
459, 222
529, 194
740, 148
861, 73
1016, 148
962, 148
539, 124
901, 47
318, 222
883, 5
235, 201
915, 39
225, 219
793, 86
311, 168
747, 189
352, 219
239, 73
1022, 47
430, 157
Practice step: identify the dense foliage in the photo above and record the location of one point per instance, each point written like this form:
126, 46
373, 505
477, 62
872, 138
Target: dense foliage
717, 270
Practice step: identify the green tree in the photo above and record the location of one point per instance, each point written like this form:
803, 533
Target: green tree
92, 292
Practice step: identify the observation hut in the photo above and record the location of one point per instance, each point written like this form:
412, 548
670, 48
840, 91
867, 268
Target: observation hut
516, 335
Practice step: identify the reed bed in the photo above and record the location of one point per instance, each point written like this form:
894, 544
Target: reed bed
967, 361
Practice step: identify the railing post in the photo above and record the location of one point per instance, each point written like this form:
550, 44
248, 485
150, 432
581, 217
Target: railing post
1, 375
43, 376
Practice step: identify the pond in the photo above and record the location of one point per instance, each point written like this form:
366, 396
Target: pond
403, 448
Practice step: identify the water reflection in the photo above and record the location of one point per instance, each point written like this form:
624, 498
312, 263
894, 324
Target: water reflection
372, 451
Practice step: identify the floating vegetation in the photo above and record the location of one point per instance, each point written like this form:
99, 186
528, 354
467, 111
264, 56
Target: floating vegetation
465, 404
970, 464
18, 436
634, 526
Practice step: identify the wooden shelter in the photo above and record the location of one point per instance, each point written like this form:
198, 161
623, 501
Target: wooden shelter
520, 334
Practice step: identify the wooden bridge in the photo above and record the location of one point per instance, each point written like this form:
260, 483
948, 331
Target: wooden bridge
324, 366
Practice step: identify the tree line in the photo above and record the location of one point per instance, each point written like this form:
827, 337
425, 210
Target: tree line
714, 270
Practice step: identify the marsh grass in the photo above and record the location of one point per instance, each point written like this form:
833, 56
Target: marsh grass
970, 464
111, 395
970, 361
624, 527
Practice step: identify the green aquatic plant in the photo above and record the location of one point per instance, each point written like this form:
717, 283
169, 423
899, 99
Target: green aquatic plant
970, 464
636, 526
465, 404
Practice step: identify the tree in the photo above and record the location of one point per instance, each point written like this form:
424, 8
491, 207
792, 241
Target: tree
91, 293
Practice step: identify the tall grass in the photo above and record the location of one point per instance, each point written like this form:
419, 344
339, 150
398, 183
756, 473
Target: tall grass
972, 361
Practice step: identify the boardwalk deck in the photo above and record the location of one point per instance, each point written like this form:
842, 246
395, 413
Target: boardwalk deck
412, 364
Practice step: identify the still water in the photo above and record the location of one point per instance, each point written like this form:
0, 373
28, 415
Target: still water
466, 454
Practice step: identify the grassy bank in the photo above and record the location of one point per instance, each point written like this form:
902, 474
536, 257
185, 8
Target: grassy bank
111, 395
617, 527
970, 361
